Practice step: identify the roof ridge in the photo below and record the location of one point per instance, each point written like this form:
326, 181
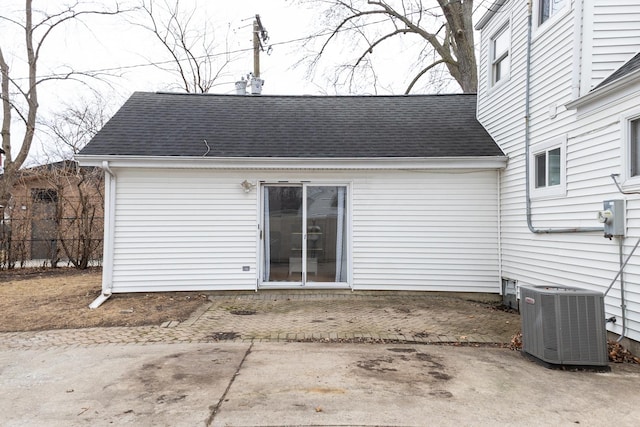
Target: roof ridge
308, 96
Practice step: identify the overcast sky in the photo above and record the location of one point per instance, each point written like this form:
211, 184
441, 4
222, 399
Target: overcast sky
114, 45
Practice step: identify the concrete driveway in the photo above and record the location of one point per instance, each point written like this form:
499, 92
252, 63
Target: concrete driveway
281, 383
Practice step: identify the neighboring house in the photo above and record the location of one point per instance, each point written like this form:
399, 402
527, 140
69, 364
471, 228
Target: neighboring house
220, 192
54, 215
575, 73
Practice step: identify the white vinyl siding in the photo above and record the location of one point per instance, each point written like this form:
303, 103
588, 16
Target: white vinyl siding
183, 230
593, 153
195, 229
426, 231
613, 39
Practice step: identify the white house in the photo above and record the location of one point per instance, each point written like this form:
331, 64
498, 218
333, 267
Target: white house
559, 91
230, 192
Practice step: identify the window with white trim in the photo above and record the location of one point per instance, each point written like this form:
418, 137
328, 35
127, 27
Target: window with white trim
634, 147
500, 60
547, 168
630, 149
548, 171
549, 8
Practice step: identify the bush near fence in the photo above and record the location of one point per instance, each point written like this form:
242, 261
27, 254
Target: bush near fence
55, 218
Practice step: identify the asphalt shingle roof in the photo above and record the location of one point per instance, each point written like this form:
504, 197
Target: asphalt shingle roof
166, 124
632, 65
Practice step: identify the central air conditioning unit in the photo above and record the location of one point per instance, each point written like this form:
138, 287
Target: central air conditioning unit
563, 325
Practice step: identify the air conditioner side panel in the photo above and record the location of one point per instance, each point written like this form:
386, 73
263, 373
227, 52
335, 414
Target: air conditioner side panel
532, 323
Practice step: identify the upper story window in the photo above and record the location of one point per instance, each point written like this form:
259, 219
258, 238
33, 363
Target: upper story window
500, 44
634, 147
630, 150
548, 8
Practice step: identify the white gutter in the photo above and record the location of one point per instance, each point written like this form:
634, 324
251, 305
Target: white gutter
499, 191
109, 235
179, 162
605, 90
577, 48
492, 10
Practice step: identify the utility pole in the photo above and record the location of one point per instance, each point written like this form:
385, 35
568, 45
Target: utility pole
259, 36
254, 81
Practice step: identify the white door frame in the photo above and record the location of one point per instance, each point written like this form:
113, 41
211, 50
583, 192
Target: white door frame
304, 184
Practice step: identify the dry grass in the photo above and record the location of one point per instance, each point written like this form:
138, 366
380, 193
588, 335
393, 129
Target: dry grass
32, 300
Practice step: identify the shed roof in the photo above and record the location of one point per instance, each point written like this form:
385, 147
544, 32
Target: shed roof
205, 125
627, 68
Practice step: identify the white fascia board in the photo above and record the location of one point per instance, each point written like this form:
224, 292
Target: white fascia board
493, 9
496, 162
604, 91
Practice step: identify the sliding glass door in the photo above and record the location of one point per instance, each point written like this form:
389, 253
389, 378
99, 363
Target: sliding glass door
304, 234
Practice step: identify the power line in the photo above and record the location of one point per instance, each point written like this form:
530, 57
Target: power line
226, 53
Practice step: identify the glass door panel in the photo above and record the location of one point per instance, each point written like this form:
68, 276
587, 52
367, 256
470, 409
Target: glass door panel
325, 233
304, 243
282, 227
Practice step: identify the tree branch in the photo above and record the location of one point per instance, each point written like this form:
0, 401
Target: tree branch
431, 38
420, 74
450, 36
6, 109
175, 35
379, 41
35, 36
342, 24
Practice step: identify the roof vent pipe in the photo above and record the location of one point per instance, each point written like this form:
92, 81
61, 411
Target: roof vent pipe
241, 87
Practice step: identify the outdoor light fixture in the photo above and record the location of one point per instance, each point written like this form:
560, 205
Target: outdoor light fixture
247, 186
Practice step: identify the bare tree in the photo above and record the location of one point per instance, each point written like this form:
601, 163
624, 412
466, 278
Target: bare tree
72, 127
80, 212
444, 27
189, 46
57, 215
79, 190
22, 98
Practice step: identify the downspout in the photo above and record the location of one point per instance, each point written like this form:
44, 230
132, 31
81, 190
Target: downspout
623, 306
107, 246
527, 141
575, 92
577, 45
499, 191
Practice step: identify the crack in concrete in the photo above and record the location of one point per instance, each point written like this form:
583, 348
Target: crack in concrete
216, 408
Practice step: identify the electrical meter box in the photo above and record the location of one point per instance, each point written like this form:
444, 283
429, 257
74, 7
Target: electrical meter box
612, 216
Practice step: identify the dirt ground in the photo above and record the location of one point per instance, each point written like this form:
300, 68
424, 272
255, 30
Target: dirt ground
35, 299
44, 299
